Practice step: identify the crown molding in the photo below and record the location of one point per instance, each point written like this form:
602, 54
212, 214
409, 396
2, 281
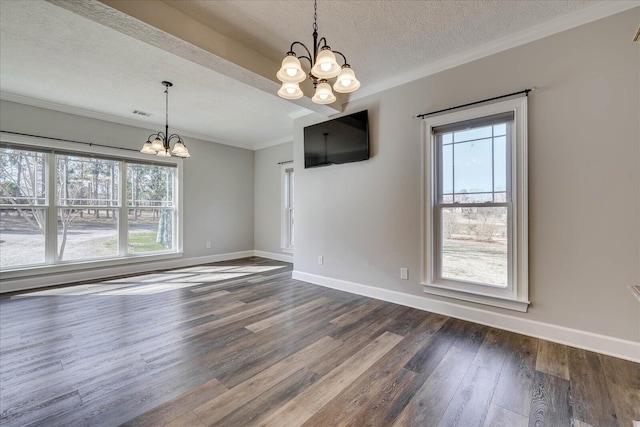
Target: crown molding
272, 143
83, 112
584, 16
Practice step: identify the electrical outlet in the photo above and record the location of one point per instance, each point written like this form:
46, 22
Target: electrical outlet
320, 259
208, 245
404, 273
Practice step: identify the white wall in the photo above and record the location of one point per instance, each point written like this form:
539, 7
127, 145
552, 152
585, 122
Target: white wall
267, 188
217, 181
584, 182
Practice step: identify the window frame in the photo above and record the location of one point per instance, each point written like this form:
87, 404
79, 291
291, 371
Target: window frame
516, 295
286, 207
52, 265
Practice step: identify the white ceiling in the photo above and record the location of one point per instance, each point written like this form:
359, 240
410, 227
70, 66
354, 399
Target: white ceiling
87, 58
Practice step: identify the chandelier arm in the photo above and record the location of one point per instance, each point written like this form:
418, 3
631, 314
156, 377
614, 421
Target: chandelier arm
175, 135
307, 58
322, 40
301, 44
343, 57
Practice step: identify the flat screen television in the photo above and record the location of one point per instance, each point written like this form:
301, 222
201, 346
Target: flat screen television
341, 140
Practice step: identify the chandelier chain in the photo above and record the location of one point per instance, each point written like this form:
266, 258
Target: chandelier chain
315, 15
166, 108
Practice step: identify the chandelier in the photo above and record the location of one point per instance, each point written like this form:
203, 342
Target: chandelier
323, 67
161, 142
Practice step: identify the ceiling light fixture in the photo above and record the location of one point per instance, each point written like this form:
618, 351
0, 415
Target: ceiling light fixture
161, 142
323, 66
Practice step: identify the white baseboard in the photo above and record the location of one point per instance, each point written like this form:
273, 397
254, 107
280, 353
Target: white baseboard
273, 255
82, 274
616, 347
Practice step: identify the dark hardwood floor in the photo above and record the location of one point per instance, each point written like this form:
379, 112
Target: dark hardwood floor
239, 343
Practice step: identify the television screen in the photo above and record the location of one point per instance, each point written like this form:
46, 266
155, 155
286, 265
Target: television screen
341, 140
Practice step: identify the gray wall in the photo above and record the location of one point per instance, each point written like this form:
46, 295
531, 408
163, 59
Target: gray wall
267, 188
218, 179
584, 182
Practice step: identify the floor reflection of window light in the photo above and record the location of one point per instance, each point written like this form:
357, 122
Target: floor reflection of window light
204, 278
256, 269
203, 269
156, 282
148, 289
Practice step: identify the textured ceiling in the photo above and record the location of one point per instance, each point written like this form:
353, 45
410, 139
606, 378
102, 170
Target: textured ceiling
54, 55
109, 63
379, 38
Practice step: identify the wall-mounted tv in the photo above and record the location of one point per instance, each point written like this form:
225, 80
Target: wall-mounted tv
341, 140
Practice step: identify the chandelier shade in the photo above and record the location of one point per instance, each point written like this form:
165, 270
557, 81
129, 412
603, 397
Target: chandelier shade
291, 70
346, 81
290, 91
323, 94
157, 144
323, 66
179, 148
146, 148
161, 145
326, 65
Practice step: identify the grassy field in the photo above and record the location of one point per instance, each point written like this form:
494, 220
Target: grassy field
472, 261
140, 242
88, 237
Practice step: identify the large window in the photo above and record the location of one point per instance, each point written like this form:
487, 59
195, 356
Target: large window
287, 209
151, 207
23, 213
67, 207
475, 213
87, 202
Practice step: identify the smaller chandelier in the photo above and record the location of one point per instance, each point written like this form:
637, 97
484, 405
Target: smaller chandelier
160, 145
323, 67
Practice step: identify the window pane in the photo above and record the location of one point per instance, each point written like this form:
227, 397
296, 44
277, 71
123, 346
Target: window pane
150, 230
22, 237
500, 129
447, 169
291, 228
84, 181
22, 177
290, 209
150, 185
473, 172
471, 134
473, 197
291, 190
474, 245
500, 163
87, 233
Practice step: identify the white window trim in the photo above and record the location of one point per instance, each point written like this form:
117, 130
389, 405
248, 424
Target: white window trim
516, 295
31, 270
284, 210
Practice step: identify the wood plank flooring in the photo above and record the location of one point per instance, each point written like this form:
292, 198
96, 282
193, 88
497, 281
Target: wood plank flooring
239, 343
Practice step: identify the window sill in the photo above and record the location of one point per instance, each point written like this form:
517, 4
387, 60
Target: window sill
287, 250
507, 303
19, 273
